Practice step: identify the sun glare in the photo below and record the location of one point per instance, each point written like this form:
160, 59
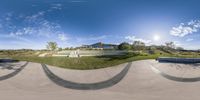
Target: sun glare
156, 38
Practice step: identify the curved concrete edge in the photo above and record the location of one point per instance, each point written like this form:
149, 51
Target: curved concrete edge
178, 60
84, 86
175, 78
13, 73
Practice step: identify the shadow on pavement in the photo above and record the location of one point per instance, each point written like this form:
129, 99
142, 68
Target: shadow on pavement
13, 73
84, 86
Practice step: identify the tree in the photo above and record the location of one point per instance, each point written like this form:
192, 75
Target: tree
170, 45
52, 46
124, 46
152, 49
138, 45
60, 49
179, 48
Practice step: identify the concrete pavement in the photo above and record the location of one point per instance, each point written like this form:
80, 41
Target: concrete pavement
139, 83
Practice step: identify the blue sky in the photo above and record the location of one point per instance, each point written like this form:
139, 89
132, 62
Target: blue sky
32, 23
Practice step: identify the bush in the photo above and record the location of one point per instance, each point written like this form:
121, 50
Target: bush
124, 46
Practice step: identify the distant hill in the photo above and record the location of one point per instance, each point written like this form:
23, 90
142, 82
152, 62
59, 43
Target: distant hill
100, 45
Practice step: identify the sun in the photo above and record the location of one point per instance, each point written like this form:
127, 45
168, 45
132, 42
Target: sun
156, 38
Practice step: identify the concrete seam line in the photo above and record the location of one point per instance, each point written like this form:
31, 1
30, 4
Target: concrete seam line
13, 73
174, 78
86, 86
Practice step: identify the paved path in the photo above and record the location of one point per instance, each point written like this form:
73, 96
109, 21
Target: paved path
139, 83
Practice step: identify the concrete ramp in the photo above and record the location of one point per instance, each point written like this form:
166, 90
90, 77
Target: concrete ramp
182, 72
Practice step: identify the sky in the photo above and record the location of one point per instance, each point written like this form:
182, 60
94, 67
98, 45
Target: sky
30, 24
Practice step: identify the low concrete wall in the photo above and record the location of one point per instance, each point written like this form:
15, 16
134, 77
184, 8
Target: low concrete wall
178, 60
91, 52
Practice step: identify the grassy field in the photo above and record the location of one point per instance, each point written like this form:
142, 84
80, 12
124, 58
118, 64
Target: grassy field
84, 62
78, 63
88, 62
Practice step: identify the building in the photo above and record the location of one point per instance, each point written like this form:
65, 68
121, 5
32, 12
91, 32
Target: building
100, 45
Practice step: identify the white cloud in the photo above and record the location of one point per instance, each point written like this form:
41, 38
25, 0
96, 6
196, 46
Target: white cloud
185, 28
24, 31
177, 43
37, 25
189, 39
133, 38
14, 37
47, 28
91, 38
97, 37
31, 26
8, 16
78, 1
21, 16
35, 17
62, 37
56, 6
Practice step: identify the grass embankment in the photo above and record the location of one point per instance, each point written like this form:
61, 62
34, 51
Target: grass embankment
85, 62
89, 62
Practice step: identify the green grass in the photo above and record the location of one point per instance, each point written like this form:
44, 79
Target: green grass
84, 63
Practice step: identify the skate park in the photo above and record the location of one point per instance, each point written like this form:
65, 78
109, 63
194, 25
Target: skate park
145, 79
